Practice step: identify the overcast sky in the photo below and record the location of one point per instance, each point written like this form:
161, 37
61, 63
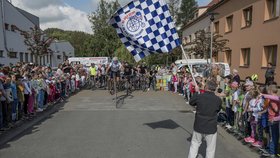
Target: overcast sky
66, 14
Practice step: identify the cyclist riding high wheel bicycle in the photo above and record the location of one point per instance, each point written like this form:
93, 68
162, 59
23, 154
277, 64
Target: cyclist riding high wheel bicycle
114, 69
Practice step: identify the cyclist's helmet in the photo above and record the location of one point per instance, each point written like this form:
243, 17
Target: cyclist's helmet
254, 77
115, 59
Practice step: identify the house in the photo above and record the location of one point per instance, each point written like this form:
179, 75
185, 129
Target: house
12, 46
252, 28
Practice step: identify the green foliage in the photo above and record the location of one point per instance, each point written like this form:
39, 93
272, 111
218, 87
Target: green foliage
200, 47
105, 40
174, 8
187, 12
82, 42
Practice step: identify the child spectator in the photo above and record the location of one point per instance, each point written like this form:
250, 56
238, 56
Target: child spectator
273, 114
27, 92
228, 100
9, 99
249, 86
41, 87
253, 116
32, 97
20, 94
175, 82
235, 104
15, 97
262, 118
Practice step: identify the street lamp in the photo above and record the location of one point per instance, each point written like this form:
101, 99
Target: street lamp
212, 18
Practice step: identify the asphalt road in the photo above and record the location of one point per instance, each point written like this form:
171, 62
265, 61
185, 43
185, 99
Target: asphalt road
145, 125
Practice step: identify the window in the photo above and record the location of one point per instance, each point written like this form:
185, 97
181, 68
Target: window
13, 54
26, 57
245, 57
269, 55
31, 57
59, 57
21, 57
229, 22
247, 17
190, 37
40, 60
1, 53
216, 27
44, 60
48, 59
271, 10
227, 58
13, 28
6, 26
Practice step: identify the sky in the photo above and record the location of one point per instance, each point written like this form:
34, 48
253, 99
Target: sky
66, 14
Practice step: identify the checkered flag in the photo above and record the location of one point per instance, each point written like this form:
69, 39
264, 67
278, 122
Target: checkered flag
146, 27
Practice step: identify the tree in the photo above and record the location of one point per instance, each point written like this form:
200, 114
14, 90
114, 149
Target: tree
187, 11
37, 42
174, 8
105, 40
200, 47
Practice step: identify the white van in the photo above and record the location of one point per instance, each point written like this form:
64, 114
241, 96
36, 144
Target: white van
201, 64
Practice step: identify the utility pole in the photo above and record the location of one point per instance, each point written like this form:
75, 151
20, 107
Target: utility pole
212, 18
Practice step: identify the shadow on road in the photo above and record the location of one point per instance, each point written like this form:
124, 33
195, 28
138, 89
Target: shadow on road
166, 124
121, 98
28, 127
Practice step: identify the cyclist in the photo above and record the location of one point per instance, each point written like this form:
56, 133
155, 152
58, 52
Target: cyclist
143, 69
152, 78
127, 71
92, 73
114, 68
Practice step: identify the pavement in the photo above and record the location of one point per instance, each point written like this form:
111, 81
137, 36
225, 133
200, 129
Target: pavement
144, 125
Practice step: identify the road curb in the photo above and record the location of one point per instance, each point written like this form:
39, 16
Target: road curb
12, 133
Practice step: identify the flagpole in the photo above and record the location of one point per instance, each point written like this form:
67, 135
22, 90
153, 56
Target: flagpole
184, 53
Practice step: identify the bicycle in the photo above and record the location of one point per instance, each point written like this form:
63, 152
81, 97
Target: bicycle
92, 82
136, 83
143, 82
112, 86
128, 85
153, 82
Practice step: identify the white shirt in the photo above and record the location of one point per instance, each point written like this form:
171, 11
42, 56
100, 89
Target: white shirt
235, 98
253, 107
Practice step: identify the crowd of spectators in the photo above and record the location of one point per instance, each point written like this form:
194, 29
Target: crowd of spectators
27, 89
252, 110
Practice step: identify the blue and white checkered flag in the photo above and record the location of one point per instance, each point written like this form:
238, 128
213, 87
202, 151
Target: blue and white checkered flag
146, 27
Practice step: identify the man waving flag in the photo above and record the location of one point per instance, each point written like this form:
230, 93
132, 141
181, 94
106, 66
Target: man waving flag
146, 27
